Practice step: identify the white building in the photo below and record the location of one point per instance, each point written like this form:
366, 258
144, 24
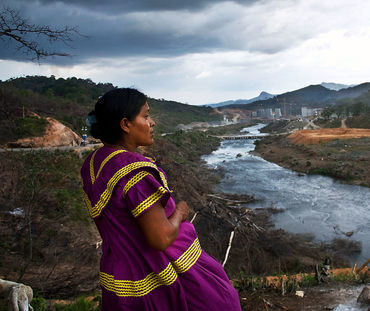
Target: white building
277, 113
306, 112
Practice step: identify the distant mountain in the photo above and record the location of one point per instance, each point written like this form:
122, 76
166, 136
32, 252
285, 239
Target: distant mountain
354, 91
262, 96
336, 86
310, 96
220, 104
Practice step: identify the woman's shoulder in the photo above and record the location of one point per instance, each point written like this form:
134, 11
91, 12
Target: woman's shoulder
125, 157
109, 160
105, 163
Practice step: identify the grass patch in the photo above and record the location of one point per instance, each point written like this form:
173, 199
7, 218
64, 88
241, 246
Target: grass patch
49, 184
39, 304
362, 121
246, 282
14, 129
193, 144
30, 127
81, 304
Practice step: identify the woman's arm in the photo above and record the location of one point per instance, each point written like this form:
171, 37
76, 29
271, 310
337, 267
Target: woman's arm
159, 231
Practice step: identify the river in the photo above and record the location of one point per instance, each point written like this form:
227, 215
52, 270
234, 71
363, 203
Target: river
309, 204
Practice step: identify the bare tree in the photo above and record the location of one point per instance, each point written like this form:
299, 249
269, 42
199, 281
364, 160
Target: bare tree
14, 27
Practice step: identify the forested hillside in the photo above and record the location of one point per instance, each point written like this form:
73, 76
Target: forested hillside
69, 101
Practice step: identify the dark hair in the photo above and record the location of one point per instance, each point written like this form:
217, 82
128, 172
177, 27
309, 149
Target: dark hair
111, 108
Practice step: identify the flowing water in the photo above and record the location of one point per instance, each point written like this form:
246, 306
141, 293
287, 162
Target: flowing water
310, 204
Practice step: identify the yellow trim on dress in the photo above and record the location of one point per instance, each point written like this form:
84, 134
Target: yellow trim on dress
92, 174
107, 159
134, 180
149, 201
106, 195
189, 258
128, 288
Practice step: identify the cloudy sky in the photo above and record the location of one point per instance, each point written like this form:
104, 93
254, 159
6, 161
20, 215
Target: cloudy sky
202, 51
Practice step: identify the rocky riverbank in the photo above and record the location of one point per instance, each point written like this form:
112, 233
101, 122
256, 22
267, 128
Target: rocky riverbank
345, 160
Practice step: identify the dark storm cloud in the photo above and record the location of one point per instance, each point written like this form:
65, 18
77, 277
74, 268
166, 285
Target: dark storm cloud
106, 36
109, 34
145, 5
165, 28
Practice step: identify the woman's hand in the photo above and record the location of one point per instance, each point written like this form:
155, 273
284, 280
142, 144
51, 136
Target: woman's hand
159, 231
183, 210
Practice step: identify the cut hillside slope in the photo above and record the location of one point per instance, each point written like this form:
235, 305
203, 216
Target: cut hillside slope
326, 135
56, 134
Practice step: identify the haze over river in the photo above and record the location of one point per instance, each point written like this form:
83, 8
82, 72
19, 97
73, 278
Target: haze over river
310, 203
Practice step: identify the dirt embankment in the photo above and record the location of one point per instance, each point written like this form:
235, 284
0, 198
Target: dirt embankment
56, 134
325, 135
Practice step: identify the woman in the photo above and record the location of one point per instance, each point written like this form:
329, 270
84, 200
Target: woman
152, 259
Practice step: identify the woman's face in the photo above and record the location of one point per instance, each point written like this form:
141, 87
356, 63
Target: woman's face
141, 129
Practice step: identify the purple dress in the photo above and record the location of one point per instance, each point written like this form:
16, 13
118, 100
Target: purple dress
118, 187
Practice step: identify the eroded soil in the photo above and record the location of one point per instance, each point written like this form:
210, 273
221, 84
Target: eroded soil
325, 135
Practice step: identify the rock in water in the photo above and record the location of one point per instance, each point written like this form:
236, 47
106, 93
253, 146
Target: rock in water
364, 297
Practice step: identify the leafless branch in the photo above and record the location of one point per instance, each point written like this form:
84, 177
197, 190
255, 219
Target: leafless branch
14, 27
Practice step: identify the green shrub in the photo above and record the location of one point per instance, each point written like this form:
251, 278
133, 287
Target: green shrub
31, 127
81, 304
245, 282
38, 304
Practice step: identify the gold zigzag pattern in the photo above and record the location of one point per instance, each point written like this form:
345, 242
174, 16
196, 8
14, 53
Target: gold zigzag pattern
106, 195
134, 180
107, 159
189, 258
149, 201
92, 175
128, 288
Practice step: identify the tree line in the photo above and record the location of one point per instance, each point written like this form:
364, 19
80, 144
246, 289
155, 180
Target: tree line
349, 107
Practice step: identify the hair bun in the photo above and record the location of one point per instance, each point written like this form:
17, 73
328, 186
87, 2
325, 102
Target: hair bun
110, 109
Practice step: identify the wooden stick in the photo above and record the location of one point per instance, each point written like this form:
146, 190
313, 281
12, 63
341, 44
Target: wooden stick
228, 248
195, 215
227, 200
